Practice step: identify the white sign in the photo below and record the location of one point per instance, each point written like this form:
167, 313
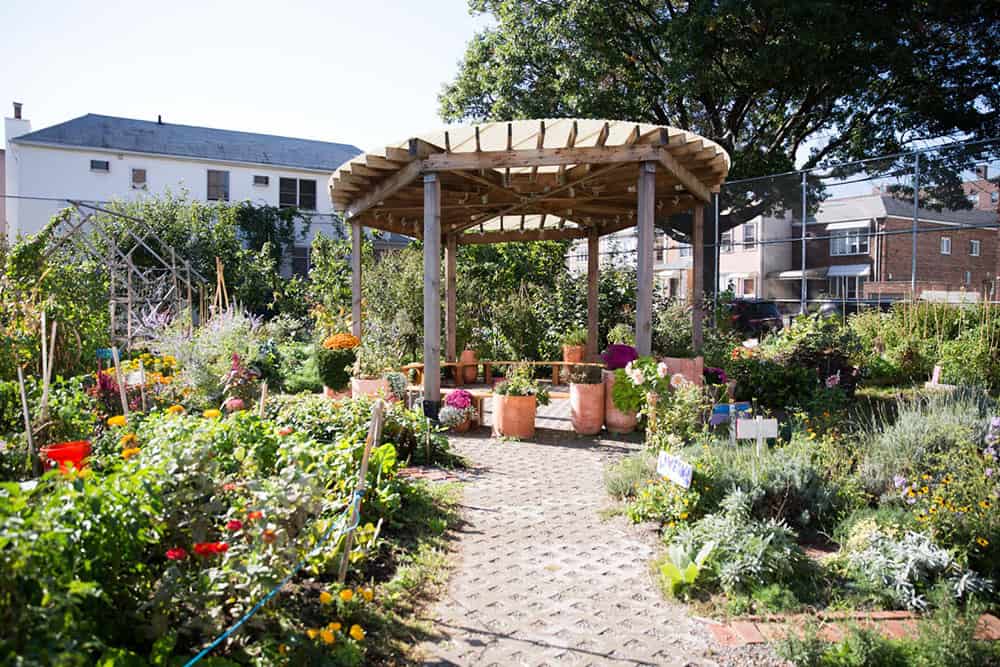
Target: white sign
135, 378
675, 469
751, 429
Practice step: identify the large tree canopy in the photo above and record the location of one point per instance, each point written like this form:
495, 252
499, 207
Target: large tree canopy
770, 81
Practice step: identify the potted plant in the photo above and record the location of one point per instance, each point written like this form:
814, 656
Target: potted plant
334, 358
574, 345
369, 378
617, 357
586, 399
458, 411
621, 334
516, 402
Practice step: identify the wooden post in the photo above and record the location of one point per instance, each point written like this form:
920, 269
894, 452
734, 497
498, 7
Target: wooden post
432, 295
644, 288
142, 386
263, 399
121, 380
451, 316
27, 422
374, 435
593, 276
698, 269
356, 296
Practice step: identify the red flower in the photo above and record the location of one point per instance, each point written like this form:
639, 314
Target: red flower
234, 525
269, 536
229, 486
177, 553
254, 515
210, 548
286, 430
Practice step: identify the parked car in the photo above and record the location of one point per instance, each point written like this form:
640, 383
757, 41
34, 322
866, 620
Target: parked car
755, 317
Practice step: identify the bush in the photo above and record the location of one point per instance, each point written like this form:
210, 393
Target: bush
334, 366
625, 478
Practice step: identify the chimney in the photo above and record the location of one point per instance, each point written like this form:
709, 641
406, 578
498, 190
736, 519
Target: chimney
159, 119
982, 171
17, 111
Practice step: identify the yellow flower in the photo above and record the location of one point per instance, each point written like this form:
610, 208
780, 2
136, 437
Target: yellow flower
282, 649
982, 541
325, 598
327, 636
211, 413
984, 504
357, 632
683, 515
367, 594
925, 476
127, 439
312, 632
176, 409
129, 453
117, 420
334, 626
347, 595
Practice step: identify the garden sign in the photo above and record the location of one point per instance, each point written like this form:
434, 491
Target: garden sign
675, 469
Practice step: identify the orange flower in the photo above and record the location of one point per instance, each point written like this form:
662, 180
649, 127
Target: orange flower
357, 632
341, 341
129, 453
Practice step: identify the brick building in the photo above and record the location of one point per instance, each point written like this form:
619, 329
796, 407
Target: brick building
862, 247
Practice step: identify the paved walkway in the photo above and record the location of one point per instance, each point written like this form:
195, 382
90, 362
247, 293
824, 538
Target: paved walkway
541, 578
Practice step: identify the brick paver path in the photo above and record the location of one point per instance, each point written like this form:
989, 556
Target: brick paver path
541, 578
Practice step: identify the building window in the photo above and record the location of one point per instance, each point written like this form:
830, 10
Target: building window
749, 235
849, 242
138, 179
749, 287
661, 247
945, 245
100, 165
297, 193
262, 180
684, 249
995, 196
300, 260
218, 185
975, 246
968, 277
847, 287
726, 242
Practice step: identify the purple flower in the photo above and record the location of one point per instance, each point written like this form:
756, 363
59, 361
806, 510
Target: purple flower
995, 423
989, 472
990, 451
899, 481
833, 380
715, 375
910, 500
619, 356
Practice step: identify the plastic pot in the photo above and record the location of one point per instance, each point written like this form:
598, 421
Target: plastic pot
65, 454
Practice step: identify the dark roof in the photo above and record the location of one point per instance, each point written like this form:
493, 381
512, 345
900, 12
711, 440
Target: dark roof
903, 208
130, 135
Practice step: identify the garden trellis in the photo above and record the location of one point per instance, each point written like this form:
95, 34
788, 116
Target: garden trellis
162, 285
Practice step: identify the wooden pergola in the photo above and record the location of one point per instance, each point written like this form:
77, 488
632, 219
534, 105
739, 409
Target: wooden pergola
529, 180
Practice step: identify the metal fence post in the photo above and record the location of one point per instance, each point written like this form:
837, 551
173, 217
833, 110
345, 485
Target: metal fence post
803, 306
715, 251
916, 206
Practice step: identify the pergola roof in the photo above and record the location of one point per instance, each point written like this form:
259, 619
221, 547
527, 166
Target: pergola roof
529, 179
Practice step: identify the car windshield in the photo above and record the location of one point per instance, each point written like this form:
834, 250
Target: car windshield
760, 310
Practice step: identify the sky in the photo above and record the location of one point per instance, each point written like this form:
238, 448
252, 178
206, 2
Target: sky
363, 72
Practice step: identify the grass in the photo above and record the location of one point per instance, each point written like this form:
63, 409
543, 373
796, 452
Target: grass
414, 566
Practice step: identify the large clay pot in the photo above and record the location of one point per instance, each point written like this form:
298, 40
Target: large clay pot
336, 393
374, 388
586, 402
693, 370
573, 354
470, 371
514, 416
463, 427
614, 419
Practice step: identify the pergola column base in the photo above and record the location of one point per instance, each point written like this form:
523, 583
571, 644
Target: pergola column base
432, 409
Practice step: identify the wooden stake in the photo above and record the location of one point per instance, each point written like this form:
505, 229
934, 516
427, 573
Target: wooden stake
142, 385
45, 368
47, 377
120, 379
374, 435
35, 463
263, 398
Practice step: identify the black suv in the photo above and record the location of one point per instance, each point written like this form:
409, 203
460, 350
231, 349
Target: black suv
755, 317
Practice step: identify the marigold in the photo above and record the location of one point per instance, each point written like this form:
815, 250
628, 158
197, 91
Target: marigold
312, 632
341, 341
347, 595
325, 598
367, 594
334, 626
129, 453
982, 541
327, 636
175, 410
211, 413
357, 632
127, 439
117, 420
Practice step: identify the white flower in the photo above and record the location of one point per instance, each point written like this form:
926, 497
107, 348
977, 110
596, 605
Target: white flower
662, 370
677, 380
637, 377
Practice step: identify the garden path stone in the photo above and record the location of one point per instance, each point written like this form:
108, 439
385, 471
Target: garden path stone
541, 578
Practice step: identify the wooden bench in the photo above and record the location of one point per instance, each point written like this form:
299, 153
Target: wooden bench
557, 368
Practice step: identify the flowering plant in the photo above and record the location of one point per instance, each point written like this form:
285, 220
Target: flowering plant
240, 381
520, 383
618, 356
341, 341
457, 409
639, 379
459, 398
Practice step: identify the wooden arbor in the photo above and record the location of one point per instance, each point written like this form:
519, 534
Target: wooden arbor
529, 180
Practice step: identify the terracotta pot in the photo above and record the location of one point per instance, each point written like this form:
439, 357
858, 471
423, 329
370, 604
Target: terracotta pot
470, 372
586, 402
463, 427
514, 416
614, 419
693, 370
336, 394
573, 354
373, 388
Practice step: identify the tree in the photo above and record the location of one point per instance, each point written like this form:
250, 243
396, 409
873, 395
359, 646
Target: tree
769, 81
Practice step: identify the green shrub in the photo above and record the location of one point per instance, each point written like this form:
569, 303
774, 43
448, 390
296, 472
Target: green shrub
299, 370
334, 366
575, 336
626, 477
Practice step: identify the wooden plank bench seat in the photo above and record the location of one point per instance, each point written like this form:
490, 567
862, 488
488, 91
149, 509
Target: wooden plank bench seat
557, 368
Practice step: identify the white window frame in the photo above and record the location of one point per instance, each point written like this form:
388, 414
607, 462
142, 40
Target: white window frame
751, 243
945, 245
261, 180
968, 277
105, 170
845, 242
726, 242
975, 247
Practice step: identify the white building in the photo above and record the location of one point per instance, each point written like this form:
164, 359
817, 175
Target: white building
102, 158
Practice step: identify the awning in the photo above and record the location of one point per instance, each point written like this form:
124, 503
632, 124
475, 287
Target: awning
849, 271
733, 276
811, 274
851, 224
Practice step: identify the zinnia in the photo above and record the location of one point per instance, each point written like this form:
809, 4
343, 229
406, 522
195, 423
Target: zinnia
177, 553
285, 430
325, 598
357, 632
347, 595
211, 413
210, 548
129, 453
662, 370
254, 515
117, 420
234, 525
175, 410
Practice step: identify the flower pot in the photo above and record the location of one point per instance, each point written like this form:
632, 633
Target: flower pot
586, 402
514, 416
573, 354
463, 427
234, 404
66, 453
373, 388
615, 420
470, 371
693, 370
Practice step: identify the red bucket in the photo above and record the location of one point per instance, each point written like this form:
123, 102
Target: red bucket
66, 453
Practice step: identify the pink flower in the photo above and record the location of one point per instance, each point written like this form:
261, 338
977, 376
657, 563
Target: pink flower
677, 380
177, 553
833, 380
662, 370
234, 525
459, 399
